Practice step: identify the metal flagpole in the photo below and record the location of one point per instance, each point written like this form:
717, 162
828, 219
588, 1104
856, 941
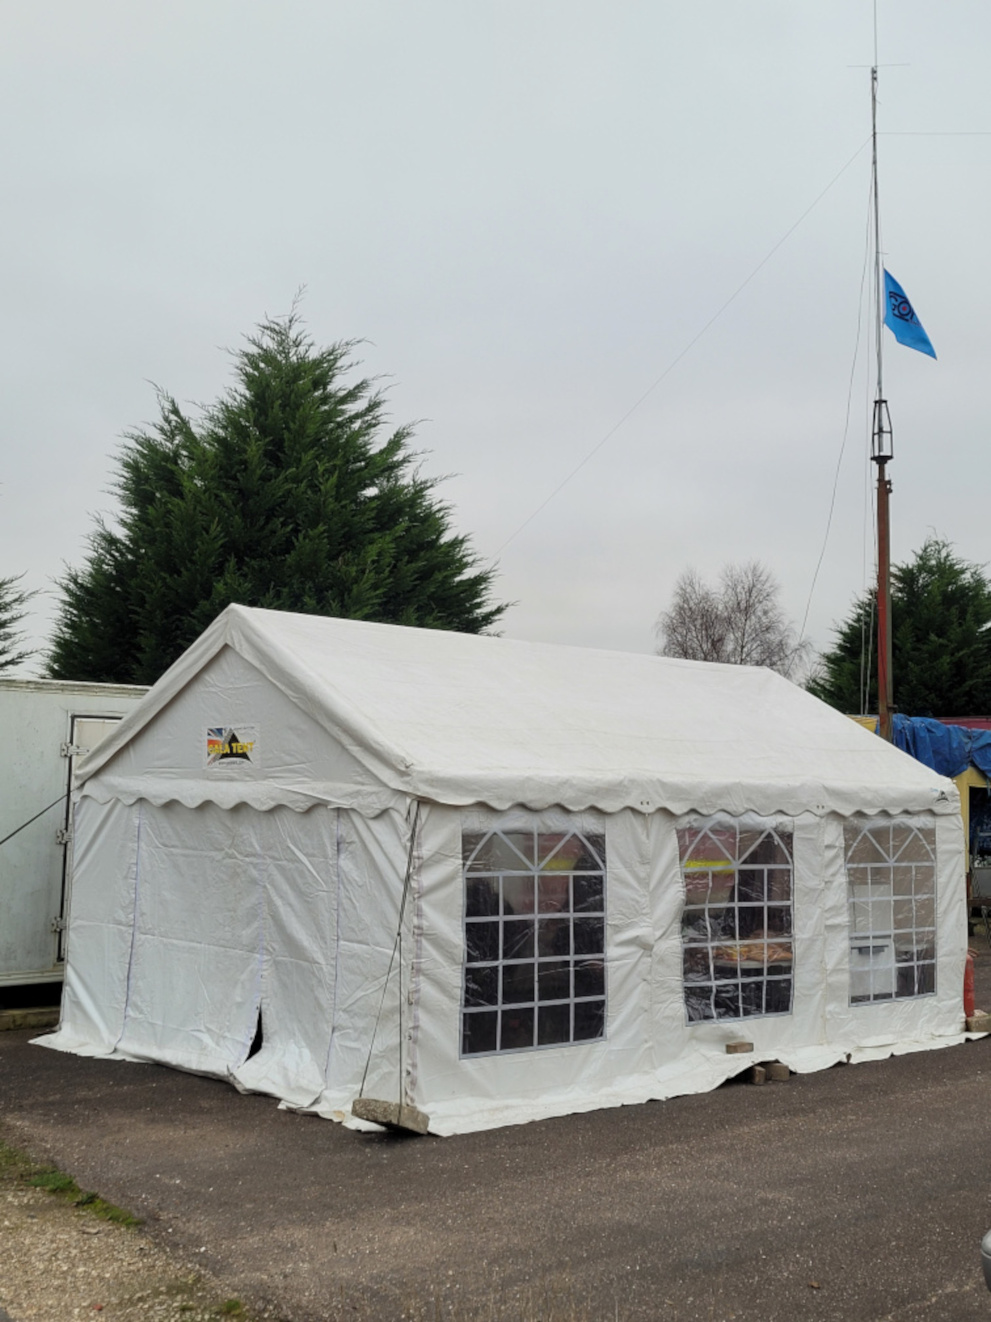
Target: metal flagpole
882, 452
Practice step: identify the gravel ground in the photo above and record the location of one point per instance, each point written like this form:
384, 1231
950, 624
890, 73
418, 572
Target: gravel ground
61, 1263
855, 1194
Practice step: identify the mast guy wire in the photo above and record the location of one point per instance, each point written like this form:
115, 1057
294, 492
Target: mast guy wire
684, 352
846, 427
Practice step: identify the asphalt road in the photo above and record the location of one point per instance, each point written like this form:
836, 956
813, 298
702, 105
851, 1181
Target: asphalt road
858, 1193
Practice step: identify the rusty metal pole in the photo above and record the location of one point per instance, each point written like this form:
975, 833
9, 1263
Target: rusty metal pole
885, 690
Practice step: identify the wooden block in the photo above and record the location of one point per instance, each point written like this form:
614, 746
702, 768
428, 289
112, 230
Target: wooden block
738, 1048
390, 1114
979, 1022
777, 1072
757, 1074
45, 1016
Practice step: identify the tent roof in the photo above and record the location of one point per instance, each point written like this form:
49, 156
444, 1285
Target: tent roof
459, 719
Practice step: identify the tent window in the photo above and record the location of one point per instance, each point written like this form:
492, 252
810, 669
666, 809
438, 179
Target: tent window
534, 973
736, 927
891, 887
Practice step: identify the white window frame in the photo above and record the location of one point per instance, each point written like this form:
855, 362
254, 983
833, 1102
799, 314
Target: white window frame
712, 939
511, 877
891, 909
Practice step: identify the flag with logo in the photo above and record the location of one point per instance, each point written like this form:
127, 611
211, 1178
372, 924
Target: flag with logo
900, 316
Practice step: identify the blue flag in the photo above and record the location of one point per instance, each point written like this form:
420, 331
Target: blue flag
900, 316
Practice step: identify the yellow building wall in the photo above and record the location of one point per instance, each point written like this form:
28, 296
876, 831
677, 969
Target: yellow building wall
967, 780
868, 722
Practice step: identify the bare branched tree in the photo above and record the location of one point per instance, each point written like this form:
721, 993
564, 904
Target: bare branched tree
739, 622
695, 625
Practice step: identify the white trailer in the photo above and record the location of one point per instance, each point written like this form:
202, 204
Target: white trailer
44, 725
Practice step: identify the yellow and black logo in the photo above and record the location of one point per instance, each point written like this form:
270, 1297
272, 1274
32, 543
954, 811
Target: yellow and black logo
223, 744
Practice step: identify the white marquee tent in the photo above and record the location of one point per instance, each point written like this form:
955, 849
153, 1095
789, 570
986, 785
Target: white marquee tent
499, 880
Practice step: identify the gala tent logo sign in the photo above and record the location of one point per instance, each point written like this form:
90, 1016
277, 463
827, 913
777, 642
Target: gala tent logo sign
225, 744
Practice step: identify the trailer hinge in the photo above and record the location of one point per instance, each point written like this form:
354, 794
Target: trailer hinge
58, 924
72, 750
63, 835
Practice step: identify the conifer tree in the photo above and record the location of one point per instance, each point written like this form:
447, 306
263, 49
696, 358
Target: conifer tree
940, 641
284, 494
13, 599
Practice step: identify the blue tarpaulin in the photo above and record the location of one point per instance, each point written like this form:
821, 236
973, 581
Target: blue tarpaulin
947, 749
980, 750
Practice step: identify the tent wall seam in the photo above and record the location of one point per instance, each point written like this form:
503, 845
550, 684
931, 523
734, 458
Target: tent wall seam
415, 971
134, 926
337, 945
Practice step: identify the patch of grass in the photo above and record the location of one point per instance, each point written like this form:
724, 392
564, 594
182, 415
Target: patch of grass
54, 1181
19, 1167
65, 1186
110, 1212
12, 1162
232, 1308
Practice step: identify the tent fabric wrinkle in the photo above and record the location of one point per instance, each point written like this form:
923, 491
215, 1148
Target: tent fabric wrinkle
134, 928
501, 881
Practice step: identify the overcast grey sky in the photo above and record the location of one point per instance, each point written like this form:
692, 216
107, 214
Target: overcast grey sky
528, 210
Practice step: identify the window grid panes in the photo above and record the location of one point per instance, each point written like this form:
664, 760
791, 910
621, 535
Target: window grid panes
736, 928
891, 881
534, 972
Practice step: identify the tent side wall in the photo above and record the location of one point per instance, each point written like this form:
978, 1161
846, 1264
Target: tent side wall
650, 1047
193, 926
462, 1092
